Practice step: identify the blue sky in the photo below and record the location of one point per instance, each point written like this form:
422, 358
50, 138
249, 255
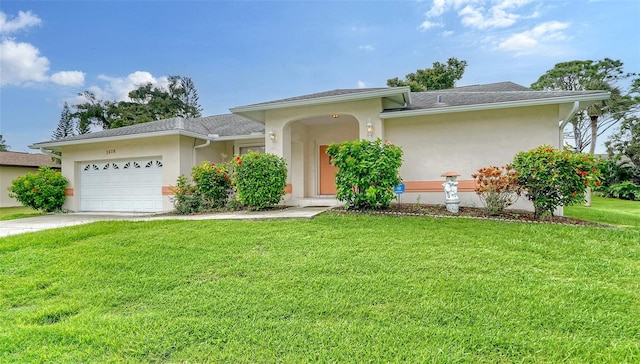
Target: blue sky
244, 52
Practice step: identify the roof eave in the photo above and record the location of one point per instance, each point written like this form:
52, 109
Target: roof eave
583, 99
62, 143
212, 137
257, 112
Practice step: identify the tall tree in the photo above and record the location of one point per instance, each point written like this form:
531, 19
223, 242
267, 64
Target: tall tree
440, 76
607, 74
146, 103
184, 90
65, 125
626, 140
3, 144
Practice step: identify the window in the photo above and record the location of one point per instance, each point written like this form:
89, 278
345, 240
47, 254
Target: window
255, 148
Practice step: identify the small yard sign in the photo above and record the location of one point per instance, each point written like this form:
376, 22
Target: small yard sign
399, 189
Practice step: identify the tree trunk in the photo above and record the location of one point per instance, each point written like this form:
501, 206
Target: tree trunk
594, 133
592, 150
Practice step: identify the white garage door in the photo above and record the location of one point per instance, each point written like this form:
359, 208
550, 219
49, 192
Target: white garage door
125, 185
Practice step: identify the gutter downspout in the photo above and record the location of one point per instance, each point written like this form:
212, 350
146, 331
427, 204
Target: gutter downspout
565, 121
205, 144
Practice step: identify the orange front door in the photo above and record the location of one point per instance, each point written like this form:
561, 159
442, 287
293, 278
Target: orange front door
327, 173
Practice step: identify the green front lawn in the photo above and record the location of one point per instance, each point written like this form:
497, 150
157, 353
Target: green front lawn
11, 213
333, 289
612, 211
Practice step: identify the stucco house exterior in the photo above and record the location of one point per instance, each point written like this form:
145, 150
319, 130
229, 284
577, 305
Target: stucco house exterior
17, 164
460, 129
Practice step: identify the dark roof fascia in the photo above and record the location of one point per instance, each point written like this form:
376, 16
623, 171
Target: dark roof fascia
496, 105
256, 112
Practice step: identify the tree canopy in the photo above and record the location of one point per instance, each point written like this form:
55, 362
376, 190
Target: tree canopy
65, 125
606, 74
146, 103
3, 144
440, 76
626, 140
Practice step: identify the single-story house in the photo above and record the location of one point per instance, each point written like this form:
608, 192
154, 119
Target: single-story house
459, 129
17, 164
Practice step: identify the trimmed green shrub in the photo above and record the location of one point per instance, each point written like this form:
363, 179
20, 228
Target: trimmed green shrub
553, 178
212, 183
42, 191
210, 189
624, 191
260, 179
185, 200
367, 172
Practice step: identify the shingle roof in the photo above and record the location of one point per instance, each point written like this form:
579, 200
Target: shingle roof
337, 92
19, 159
222, 125
482, 95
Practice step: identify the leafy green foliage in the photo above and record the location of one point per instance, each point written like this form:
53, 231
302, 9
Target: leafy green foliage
3, 144
147, 103
367, 172
605, 75
626, 142
185, 200
553, 178
212, 183
497, 187
624, 190
65, 125
441, 76
260, 179
210, 189
43, 190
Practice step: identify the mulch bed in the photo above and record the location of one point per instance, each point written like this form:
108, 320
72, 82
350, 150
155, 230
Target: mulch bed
398, 209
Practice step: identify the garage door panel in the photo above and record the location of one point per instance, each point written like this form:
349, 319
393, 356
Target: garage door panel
129, 185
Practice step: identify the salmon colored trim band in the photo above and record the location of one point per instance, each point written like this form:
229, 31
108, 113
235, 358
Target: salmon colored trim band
68, 191
468, 185
168, 190
288, 188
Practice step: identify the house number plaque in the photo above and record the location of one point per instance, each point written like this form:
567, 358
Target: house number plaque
111, 151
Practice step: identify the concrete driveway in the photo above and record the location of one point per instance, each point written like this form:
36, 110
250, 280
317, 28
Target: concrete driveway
52, 221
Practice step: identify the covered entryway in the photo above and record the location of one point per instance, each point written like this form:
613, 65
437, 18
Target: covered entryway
121, 185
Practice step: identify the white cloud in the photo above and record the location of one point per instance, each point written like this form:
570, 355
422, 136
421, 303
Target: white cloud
68, 78
367, 47
118, 88
480, 14
361, 84
530, 40
24, 20
426, 25
21, 63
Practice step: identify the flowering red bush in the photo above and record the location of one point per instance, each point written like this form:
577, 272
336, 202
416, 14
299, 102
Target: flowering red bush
553, 178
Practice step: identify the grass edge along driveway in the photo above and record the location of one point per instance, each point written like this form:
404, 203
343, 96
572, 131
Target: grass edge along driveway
332, 289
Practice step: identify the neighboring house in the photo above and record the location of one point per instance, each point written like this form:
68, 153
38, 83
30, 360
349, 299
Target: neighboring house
461, 129
16, 164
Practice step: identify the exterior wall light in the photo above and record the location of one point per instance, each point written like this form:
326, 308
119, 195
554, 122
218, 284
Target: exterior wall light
272, 135
369, 129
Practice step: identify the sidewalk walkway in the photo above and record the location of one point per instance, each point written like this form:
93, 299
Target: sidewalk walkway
52, 221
